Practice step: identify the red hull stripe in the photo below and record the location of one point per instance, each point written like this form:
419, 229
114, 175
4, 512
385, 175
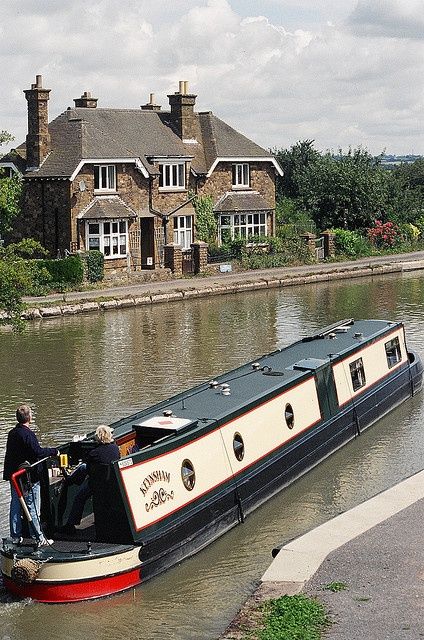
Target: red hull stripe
55, 592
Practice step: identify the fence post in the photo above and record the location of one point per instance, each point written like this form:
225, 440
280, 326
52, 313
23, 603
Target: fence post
329, 244
200, 256
173, 258
309, 240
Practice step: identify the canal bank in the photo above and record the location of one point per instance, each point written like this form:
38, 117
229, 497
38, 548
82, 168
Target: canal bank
169, 290
365, 566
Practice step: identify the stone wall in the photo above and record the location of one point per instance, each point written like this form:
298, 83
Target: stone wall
45, 215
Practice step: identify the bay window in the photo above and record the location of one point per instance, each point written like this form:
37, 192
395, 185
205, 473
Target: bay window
108, 236
241, 225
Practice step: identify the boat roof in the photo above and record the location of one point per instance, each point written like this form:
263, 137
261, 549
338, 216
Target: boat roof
211, 402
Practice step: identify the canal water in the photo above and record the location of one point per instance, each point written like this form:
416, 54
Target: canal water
80, 371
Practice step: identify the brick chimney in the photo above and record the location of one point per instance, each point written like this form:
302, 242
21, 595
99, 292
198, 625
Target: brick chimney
182, 112
151, 105
38, 143
86, 101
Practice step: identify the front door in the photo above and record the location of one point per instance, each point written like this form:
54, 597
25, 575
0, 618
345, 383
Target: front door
147, 243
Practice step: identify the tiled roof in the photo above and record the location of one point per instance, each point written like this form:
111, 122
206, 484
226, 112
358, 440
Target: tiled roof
86, 133
242, 201
107, 207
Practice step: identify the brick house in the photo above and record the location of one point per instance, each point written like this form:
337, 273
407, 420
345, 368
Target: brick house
122, 180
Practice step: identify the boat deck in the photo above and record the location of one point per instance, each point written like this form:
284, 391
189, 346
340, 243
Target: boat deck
249, 382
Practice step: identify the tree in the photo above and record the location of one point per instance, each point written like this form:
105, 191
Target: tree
348, 190
407, 192
18, 277
10, 193
5, 137
206, 222
294, 161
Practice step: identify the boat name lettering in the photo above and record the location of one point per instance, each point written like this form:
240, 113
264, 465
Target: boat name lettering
159, 497
155, 476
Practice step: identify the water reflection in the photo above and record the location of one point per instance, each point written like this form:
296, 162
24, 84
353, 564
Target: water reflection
79, 371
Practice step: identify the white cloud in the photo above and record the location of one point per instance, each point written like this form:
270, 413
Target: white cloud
389, 18
342, 79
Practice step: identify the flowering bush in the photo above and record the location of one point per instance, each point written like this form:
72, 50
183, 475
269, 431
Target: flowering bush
384, 234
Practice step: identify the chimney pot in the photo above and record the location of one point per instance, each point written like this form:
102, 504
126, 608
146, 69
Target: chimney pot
38, 82
151, 105
86, 101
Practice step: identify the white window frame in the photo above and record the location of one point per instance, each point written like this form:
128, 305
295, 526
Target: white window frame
357, 374
109, 239
241, 175
393, 352
106, 177
243, 225
172, 176
183, 231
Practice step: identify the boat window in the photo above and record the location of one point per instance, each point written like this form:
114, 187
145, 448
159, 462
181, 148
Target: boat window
393, 352
238, 447
357, 374
188, 475
289, 416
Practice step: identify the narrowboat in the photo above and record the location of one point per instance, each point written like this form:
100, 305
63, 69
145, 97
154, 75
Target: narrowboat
195, 465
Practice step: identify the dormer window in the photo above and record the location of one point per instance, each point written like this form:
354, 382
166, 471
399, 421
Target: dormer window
172, 175
241, 177
104, 177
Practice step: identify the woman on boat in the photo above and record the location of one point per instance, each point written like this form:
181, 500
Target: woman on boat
105, 452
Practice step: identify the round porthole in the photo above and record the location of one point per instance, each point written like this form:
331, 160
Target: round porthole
188, 475
289, 416
238, 446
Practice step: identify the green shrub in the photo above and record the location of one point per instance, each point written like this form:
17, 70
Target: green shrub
351, 243
67, 271
95, 265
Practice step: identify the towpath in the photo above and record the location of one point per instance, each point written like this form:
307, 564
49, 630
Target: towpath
114, 296
375, 552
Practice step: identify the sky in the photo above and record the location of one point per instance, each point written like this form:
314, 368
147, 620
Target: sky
344, 73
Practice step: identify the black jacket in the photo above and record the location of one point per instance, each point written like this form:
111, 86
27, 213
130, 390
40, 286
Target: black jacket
23, 446
104, 453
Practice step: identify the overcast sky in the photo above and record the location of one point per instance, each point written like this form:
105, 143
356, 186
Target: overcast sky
341, 72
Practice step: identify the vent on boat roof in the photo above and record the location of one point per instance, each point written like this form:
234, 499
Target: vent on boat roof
309, 364
337, 326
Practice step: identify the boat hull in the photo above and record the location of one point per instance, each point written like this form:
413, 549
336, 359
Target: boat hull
162, 520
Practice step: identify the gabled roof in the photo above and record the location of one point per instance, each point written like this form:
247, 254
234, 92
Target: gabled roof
131, 134
102, 207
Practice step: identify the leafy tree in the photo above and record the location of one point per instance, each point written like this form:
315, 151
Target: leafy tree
10, 201
294, 161
206, 222
5, 137
10, 193
406, 201
348, 190
18, 277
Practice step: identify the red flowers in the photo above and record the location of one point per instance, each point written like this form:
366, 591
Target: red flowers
383, 234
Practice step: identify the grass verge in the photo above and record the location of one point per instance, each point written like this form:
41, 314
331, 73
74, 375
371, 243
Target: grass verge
295, 617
